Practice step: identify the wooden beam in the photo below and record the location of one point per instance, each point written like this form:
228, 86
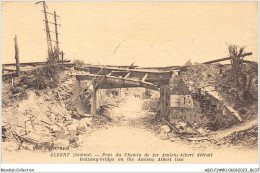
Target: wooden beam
167, 68
91, 76
213, 61
128, 74
34, 63
127, 81
18, 72
145, 76
227, 58
115, 66
121, 82
99, 81
118, 73
139, 74
149, 86
107, 85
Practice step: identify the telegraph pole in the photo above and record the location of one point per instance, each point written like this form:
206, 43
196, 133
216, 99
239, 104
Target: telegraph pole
57, 51
53, 53
49, 41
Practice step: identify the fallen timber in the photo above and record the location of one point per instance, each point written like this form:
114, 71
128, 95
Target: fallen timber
33, 63
125, 78
227, 58
218, 60
127, 73
34, 140
167, 68
115, 82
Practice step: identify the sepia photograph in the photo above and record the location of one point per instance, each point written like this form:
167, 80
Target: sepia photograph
129, 82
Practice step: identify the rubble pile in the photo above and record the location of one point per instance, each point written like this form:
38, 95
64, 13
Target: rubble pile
42, 118
183, 131
247, 139
201, 75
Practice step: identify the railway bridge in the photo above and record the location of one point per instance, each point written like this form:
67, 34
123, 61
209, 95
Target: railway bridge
115, 77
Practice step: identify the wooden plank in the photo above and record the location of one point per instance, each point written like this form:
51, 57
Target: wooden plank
121, 81
108, 85
213, 61
33, 63
91, 76
122, 66
128, 74
167, 68
134, 73
227, 58
149, 86
128, 81
118, 73
144, 78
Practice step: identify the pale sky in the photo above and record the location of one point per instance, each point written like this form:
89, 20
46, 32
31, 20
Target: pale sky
150, 33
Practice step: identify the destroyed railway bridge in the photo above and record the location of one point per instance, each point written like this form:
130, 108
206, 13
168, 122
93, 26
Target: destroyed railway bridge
113, 77
109, 77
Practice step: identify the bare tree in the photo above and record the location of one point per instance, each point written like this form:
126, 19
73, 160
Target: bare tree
236, 52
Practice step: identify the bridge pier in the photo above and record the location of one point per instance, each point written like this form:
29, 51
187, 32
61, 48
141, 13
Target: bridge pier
94, 101
165, 102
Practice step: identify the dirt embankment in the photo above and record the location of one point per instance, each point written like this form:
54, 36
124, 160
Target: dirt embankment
241, 97
35, 110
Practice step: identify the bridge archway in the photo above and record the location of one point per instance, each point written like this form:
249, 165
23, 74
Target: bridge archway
113, 77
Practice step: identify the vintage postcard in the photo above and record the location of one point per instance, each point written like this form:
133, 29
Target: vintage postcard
129, 82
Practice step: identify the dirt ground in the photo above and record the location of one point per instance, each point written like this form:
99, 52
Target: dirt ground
129, 133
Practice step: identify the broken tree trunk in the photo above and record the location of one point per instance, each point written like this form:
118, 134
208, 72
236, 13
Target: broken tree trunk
17, 56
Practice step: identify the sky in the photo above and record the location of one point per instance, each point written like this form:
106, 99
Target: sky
120, 33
